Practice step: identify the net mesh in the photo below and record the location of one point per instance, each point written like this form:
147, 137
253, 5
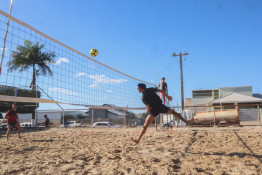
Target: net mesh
77, 78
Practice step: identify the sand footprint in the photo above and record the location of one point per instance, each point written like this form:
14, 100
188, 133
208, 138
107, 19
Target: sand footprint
176, 166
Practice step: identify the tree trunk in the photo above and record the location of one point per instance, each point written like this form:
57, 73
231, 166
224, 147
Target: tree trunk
34, 89
33, 82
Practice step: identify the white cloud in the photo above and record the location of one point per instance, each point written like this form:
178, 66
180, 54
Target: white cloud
3, 49
62, 91
109, 91
61, 60
103, 79
94, 85
81, 74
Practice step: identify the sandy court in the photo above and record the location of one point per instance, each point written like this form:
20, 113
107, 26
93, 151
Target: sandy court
110, 151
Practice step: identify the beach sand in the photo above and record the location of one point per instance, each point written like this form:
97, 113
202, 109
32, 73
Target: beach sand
110, 151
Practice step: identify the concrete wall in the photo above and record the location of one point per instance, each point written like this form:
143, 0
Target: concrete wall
103, 114
244, 90
204, 96
98, 113
199, 101
110, 116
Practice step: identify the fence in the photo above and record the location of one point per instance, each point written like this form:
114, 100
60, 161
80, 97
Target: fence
239, 115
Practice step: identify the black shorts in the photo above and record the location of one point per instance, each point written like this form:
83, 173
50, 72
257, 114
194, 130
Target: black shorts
12, 123
159, 109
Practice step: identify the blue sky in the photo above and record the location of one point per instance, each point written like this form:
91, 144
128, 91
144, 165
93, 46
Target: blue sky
223, 37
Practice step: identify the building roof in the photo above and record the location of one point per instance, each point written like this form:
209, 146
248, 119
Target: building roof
116, 112
205, 90
239, 98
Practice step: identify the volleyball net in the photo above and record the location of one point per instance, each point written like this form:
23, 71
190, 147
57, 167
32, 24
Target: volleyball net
77, 78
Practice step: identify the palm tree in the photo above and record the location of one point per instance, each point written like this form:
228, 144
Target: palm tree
30, 55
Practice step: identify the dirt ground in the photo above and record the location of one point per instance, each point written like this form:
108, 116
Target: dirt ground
110, 151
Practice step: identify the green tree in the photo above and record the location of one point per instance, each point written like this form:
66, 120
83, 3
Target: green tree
21, 106
131, 115
69, 117
143, 115
80, 116
31, 56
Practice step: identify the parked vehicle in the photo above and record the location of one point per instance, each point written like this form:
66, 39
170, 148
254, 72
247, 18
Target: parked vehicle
3, 126
71, 124
106, 125
74, 124
26, 124
168, 124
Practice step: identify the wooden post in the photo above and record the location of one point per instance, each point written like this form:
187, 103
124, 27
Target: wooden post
259, 114
214, 116
182, 84
124, 118
168, 122
92, 116
161, 121
173, 119
155, 122
236, 105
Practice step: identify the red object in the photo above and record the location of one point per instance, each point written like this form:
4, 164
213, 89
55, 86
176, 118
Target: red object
11, 116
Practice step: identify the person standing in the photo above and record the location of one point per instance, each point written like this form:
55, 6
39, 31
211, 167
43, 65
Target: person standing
12, 120
163, 86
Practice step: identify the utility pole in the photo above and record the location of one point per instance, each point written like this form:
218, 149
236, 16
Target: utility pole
181, 76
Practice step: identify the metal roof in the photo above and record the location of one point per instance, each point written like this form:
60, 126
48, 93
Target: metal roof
116, 112
239, 98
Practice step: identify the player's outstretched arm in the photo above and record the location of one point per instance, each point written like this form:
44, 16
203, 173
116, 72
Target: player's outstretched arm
165, 94
3, 120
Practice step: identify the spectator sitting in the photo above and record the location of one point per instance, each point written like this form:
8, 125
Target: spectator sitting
47, 121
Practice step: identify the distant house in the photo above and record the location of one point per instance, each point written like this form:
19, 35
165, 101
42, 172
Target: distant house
107, 113
235, 99
241, 99
204, 96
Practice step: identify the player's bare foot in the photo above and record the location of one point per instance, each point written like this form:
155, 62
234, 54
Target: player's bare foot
19, 137
134, 140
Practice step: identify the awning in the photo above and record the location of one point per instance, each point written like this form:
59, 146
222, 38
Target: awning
236, 98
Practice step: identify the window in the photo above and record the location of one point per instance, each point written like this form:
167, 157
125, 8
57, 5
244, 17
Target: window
111, 124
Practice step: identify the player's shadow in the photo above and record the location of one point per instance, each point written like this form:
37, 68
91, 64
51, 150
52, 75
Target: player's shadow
37, 148
251, 151
49, 140
190, 143
239, 154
